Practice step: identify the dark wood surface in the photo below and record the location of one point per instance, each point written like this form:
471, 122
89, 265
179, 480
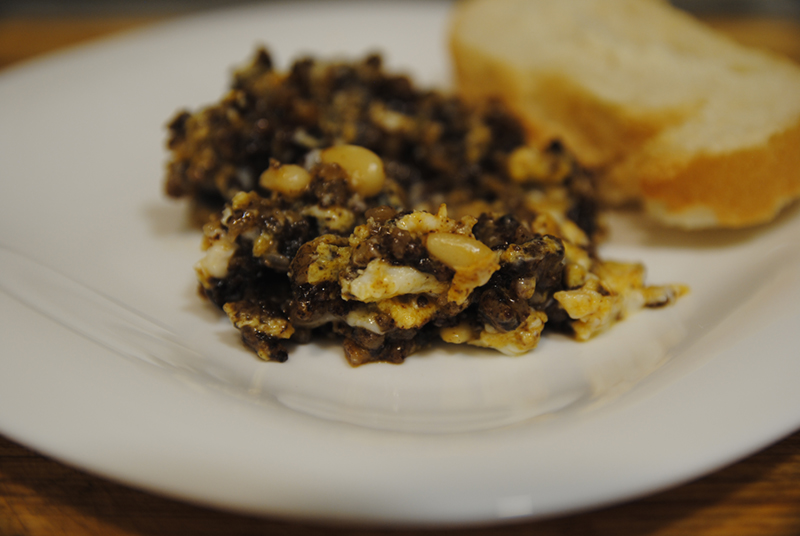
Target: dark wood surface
41, 497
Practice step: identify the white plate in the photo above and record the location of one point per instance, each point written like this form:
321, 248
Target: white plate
142, 382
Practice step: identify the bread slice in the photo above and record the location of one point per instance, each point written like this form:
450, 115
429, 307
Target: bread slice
703, 131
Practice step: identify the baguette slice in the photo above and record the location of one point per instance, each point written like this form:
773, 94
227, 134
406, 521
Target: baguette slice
702, 131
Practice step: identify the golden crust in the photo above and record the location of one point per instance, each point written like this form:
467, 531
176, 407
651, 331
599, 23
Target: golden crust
735, 189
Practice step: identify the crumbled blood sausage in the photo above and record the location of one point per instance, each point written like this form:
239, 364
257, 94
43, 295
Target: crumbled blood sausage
498, 233
278, 262
430, 142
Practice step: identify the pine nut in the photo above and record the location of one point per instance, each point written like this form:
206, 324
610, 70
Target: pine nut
458, 251
364, 168
288, 179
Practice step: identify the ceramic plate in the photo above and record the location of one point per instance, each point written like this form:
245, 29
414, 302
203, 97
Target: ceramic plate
111, 362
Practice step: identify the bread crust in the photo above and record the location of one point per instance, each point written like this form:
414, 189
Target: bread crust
736, 189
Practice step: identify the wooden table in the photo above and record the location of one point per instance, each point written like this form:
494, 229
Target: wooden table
41, 497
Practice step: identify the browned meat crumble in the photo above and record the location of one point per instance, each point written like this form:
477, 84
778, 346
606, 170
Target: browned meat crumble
340, 199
